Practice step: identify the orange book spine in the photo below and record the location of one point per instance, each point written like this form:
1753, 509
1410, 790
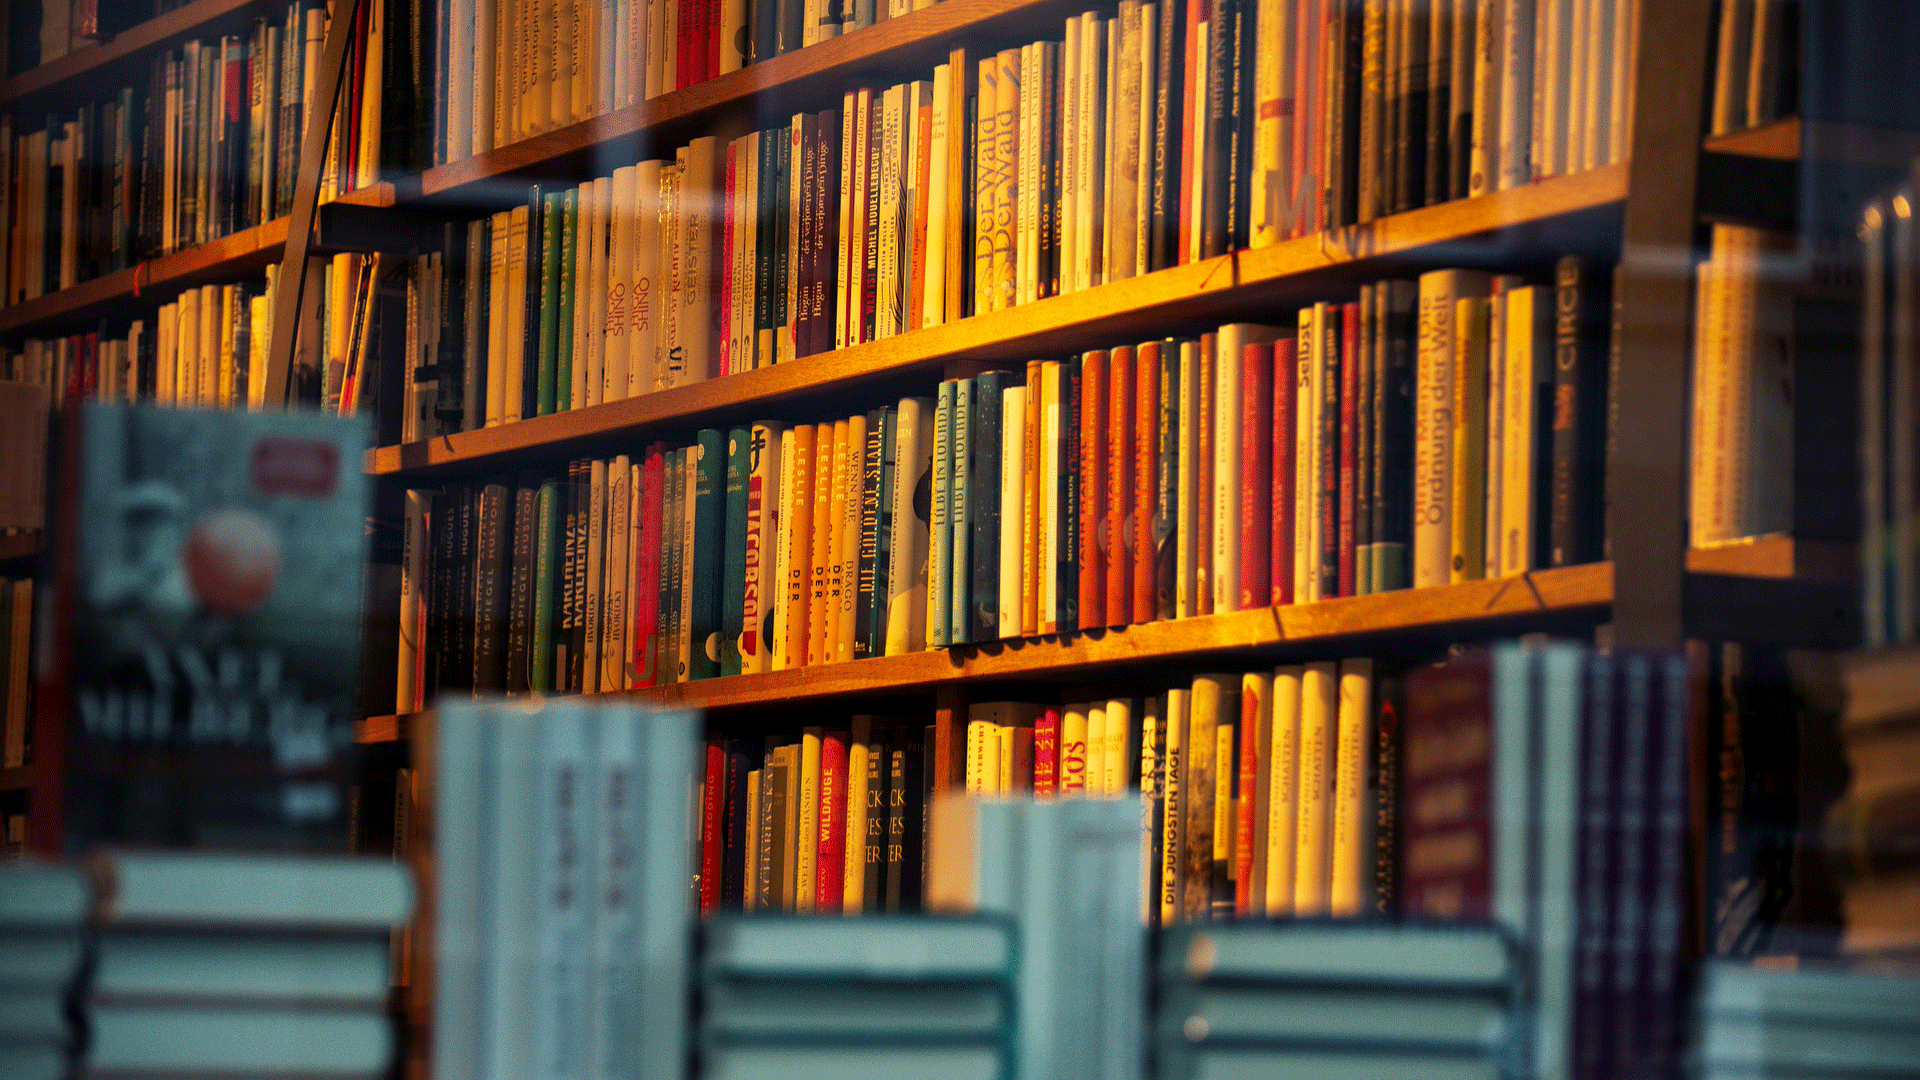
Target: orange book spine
1120, 434
916, 283
1093, 491
1250, 705
1146, 479
829, 489
798, 498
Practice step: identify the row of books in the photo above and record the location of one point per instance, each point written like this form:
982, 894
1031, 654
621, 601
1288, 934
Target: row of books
206, 147
1262, 793
156, 964
16, 676
1400, 439
25, 415
1755, 73
1000, 180
1889, 360
1742, 464
41, 31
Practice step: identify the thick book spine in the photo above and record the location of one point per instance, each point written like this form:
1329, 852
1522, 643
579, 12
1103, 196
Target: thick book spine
797, 468
1348, 874
878, 610
733, 567
759, 560
1166, 502
1013, 477
830, 859
490, 588
1121, 400
520, 591
869, 551
960, 511
1467, 522
1094, 434
984, 502
1319, 706
1579, 393
940, 562
1256, 475
907, 572
829, 449
1144, 445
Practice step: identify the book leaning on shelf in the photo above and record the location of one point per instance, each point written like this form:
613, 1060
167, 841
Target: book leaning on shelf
1400, 439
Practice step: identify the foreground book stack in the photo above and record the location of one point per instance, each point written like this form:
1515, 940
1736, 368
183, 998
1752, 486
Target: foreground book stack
43, 917
1806, 1020
1068, 874
1318, 1002
562, 909
271, 966
1872, 835
862, 999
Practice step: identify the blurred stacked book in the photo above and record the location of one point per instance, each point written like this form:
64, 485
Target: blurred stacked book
43, 910
880, 997
563, 916
1873, 832
1308, 1001
1799, 1021
260, 965
1070, 874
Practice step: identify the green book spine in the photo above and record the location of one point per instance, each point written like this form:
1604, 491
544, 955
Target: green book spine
546, 579
549, 307
733, 570
939, 633
563, 332
703, 561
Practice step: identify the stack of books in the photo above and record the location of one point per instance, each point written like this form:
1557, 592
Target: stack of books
563, 921
879, 997
43, 910
1307, 1001
1873, 831
1802, 1021
261, 965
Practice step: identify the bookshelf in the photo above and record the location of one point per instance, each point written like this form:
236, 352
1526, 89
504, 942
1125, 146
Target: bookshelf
1654, 591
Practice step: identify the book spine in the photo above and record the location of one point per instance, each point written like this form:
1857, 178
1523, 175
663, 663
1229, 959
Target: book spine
960, 513
830, 860
907, 572
940, 569
984, 501
796, 527
1066, 480
519, 611
1094, 433
822, 619
1121, 455
733, 566
1347, 445
1013, 476
870, 495
1166, 507
759, 562
1256, 475
546, 583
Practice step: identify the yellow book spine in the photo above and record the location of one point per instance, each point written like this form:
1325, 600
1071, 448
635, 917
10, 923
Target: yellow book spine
830, 449
1031, 499
807, 837
796, 527
1468, 522
1353, 746
1283, 788
852, 467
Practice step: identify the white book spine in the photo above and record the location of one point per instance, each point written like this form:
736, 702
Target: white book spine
644, 366
1283, 783
1319, 706
1349, 861
1516, 92
907, 569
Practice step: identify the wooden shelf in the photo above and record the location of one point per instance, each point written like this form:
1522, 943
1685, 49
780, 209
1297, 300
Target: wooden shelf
1786, 140
83, 71
1485, 229
20, 547
157, 280
1758, 575
813, 78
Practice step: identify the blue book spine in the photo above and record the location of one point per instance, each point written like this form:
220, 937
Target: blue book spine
733, 570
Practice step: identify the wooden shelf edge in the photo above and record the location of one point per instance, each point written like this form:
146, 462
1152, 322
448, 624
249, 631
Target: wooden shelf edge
1787, 140
160, 32
166, 276
20, 546
879, 49
1129, 310
1470, 605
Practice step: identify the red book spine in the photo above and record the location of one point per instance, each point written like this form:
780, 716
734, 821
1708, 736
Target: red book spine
1203, 469
1280, 577
1146, 478
1446, 791
1243, 806
712, 67
1093, 490
1046, 753
1256, 475
646, 608
1349, 438
830, 861
1023, 758
1119, 510
712, 801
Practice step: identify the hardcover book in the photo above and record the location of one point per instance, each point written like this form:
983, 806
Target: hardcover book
209, 624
